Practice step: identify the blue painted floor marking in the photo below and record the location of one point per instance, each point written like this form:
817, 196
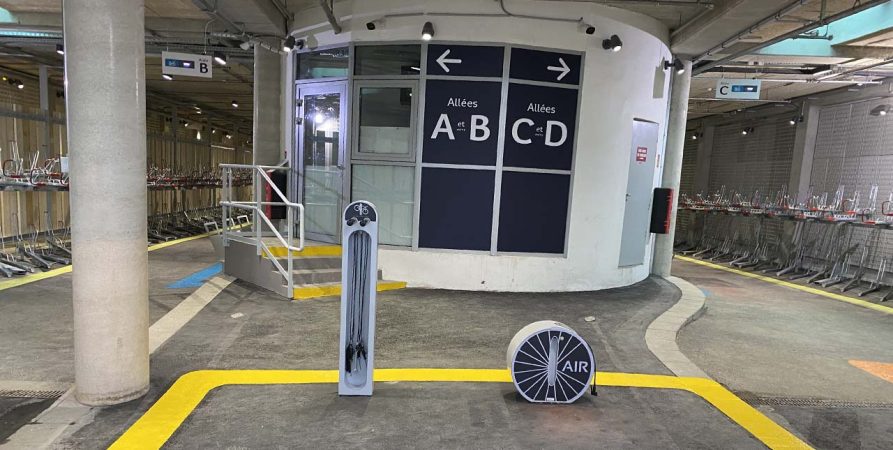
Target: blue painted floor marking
197, 279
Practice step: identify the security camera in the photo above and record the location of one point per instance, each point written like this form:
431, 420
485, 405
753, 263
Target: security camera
375, 24
586, 28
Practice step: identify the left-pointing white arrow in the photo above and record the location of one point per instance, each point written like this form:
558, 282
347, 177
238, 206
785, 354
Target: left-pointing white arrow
443, 61
564, 69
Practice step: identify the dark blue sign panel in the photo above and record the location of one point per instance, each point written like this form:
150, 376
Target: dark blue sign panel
461, 122
533, 212
540, 127
537, 65
456, 210
465, 60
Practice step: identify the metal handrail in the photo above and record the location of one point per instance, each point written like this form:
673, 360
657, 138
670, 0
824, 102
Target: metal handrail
260, 176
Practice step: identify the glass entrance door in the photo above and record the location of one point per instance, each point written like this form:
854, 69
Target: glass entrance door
321, 144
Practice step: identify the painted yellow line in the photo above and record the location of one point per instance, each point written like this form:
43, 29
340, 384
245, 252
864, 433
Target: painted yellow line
160, 422
809, 289
31, 278
326, 290
310, 251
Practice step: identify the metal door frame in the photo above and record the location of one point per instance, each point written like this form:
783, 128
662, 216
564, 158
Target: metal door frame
330, 87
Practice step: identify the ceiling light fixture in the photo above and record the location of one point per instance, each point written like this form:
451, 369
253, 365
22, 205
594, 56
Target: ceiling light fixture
289, 44
167, 77
795, 120
220, 58
880, 110
747, 131
60, 49
613, 43
235, 104
427, 31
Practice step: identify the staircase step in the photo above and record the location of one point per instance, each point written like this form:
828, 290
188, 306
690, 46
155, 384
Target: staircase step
318, 263
318, 276
309, 251
330, 289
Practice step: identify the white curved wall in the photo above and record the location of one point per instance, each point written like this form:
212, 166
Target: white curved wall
616, 88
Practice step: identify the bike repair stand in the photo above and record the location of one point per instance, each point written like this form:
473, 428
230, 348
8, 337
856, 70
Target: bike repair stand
359, 275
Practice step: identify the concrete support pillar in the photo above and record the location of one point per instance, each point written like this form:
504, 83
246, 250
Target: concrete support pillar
705, 150
106, 110
663, 244
267, 109
44, 82
804, 149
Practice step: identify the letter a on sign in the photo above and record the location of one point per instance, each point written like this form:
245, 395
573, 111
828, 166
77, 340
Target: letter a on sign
443, 126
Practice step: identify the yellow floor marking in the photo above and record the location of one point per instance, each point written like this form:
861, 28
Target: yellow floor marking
878, 369
315, 250
309, 292
30, 278
809, 289
160, 422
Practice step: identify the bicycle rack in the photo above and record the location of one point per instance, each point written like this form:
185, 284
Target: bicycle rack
359, 268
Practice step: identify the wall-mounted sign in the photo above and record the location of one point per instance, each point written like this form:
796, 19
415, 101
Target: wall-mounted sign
641, 155
540, 126
461, 122
465, 60
538, 65
738, 89
186, 64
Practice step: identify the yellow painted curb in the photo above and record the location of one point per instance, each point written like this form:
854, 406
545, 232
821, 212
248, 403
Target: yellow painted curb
309, 292
27, 279
158, 424
809, 289
311, 251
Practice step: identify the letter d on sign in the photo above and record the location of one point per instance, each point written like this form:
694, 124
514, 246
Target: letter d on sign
549, 141
479, 124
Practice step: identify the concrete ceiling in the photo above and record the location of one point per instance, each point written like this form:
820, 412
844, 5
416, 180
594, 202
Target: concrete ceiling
698, 26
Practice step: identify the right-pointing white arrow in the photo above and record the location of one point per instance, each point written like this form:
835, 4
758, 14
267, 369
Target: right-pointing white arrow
443, 61
564, 69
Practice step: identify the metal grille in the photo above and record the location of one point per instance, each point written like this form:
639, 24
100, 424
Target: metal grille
759, 161
853, 149
28, 393
756, 399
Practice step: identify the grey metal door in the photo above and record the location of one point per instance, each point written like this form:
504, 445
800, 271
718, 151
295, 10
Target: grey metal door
639, 187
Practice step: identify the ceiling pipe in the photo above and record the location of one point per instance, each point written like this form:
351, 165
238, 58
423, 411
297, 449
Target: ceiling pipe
682, 3
330, 15
787, 9
812, 25
802, 80
854, 70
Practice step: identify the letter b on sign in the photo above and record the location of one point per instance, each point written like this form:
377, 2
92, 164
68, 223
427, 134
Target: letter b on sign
479, 129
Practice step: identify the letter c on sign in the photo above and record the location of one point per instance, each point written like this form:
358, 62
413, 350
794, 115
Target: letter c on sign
724, 90
515, 131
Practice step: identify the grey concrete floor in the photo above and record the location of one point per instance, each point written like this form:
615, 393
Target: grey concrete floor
788, 352
36, 326
36, 319
421, 328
